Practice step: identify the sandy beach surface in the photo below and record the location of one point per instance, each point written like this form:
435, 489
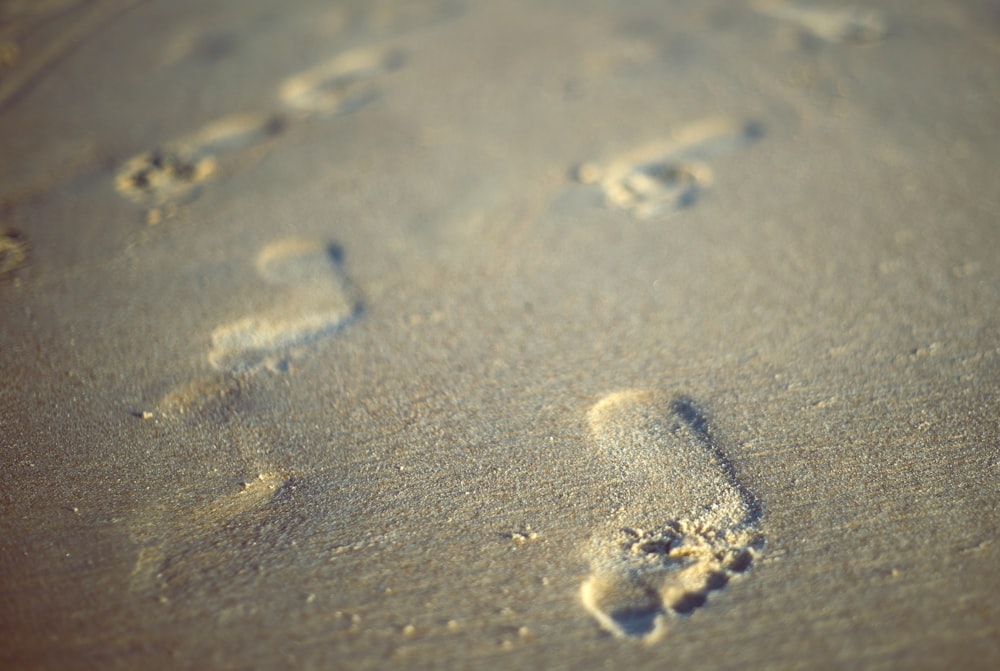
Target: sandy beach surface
455, 334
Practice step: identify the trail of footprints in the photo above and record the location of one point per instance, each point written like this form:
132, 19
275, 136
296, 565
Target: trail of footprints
310, 296
655, 179
685, 526
669, 175
306, 297
175, 173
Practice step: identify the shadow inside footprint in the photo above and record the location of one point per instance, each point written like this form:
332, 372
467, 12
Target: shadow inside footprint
640, 620
625, 607
686, 409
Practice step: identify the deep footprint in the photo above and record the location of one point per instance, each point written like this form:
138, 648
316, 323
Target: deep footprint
311, 299
341, 84
174, 173
667, 175
686, 527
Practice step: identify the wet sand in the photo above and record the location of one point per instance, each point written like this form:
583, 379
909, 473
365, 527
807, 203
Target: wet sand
450, 334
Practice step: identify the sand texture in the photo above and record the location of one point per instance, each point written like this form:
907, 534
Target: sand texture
457, 334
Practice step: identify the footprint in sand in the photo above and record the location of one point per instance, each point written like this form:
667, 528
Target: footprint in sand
216, 398
180, 547
309, 298
174, 173
341, 84
667, 175
833, 24
201, 44
684, 526
13, 251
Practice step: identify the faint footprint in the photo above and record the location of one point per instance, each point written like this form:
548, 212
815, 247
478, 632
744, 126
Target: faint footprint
202, 44
686, 525
310, 298
175, 537
342, 84
833, 24
215, 398
173, 174
13, 251
667, 175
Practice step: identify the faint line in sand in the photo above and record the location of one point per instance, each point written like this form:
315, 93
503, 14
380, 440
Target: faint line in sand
23, 77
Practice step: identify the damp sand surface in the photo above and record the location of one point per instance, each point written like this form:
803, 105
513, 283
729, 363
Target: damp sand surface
457, 334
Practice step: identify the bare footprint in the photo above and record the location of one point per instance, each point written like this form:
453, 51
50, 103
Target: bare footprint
310, 298
13, 251
215, 398
832, 24
169, 537
203, 44
667, 175
685, 526
341, 84
174, 173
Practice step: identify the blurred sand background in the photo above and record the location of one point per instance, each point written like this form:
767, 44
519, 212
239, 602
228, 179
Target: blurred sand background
303, 307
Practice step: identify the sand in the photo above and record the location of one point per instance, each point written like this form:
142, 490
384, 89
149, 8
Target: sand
451, 334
